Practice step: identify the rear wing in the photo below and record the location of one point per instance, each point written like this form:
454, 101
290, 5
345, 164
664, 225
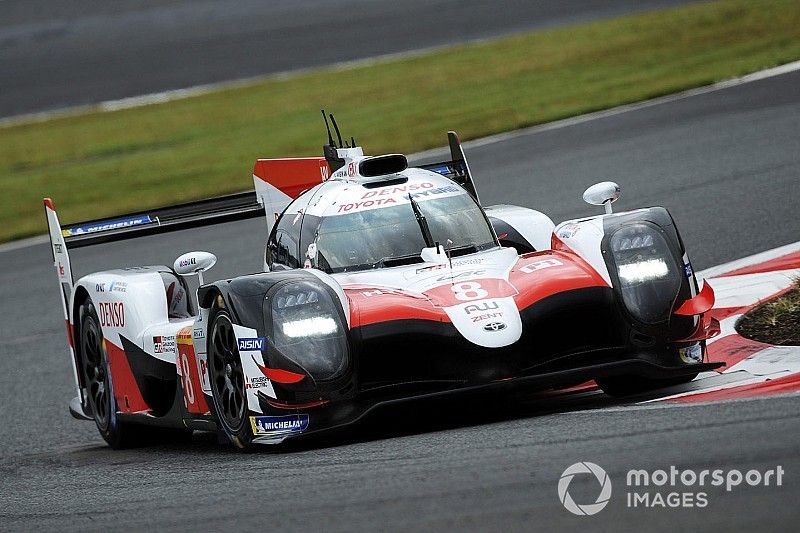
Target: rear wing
195, 214
291, 173
182, 216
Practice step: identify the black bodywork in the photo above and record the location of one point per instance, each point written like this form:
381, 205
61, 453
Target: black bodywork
568, 338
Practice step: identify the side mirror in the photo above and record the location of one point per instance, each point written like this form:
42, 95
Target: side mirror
193, 263
603, 193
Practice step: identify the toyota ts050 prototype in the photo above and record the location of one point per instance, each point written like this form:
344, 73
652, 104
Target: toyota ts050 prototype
381, 283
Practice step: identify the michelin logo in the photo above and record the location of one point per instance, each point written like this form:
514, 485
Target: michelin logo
105, 226
251, 345
278, 425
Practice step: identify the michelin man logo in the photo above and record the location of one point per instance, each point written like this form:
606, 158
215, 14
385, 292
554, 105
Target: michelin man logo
590, 508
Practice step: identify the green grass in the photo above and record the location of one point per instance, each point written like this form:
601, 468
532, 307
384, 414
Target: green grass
100, 164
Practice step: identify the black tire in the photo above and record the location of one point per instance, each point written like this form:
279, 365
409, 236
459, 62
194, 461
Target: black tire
100, 397
622, 386
99, 387
229, 400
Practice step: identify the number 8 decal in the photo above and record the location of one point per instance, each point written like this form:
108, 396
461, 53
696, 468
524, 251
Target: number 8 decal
469, 290
187, 380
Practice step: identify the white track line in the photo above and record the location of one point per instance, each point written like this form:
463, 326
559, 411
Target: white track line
750, 260
198, 90
24, 243
572, 121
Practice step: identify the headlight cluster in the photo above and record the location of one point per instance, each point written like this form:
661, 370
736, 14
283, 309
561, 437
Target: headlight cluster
648, 275
307, 329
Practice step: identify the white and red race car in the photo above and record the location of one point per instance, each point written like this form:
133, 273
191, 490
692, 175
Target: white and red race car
381, 283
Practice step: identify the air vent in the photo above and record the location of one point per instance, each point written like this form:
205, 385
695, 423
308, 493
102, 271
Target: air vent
382, 165
397, 180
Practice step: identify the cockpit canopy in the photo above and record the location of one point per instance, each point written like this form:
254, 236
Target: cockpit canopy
350, 226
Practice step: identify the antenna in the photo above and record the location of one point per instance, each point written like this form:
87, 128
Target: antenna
336, 127
353, 141
327, 127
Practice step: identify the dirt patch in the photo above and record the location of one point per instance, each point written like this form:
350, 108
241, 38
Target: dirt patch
774, 322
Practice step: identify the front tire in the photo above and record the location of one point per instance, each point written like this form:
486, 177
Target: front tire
227, 381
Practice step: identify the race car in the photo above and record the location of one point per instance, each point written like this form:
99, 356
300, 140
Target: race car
381, 283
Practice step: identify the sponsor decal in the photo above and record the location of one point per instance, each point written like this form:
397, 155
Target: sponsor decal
494, 326
189, 261
429, 268
568, 231
106, 226
465, 274
540, 265
463, 262
279, 425
483, 306
433, 192
376, 292
351, 169
367, 203
60, 270
255, 344
324, 171
112, 314
389, 191
198, 333
57, 248
385, 197
691, 354
164, 344
118, 286
257, 382
687, 270
487, 316
99, 287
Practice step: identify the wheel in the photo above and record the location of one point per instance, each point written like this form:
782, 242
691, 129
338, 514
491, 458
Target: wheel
227, 381
100, 392
99, 387
621, 386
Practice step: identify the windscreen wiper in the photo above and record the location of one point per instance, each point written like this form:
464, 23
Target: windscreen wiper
422, 221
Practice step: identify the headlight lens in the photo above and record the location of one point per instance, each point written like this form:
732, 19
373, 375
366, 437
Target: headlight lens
307, 329
648, 275
645, 270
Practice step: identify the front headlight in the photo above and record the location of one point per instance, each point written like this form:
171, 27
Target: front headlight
645, 270
307, 328
649, 277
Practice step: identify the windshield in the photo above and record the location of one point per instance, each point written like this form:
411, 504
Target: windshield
391, 236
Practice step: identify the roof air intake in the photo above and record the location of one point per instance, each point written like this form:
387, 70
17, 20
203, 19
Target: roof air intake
382, 165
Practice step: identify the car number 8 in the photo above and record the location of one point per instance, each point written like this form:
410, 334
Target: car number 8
187, 380
469, 290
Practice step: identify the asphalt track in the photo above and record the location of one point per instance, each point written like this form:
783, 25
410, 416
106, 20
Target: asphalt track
59, 54
726, 163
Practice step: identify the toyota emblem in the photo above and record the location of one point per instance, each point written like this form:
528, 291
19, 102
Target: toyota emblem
494, 326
